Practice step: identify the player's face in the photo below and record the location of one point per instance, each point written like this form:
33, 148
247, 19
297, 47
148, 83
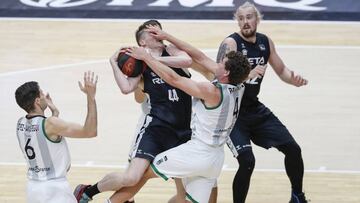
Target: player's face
247, 21
43, 103
221, 72
151, 42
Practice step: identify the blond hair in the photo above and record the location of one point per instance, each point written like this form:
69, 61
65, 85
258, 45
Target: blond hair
246, 5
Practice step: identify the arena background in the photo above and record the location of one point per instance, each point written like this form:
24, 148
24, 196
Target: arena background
69, 39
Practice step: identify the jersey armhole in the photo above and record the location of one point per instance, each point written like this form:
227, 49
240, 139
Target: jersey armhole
221, 100
47, 137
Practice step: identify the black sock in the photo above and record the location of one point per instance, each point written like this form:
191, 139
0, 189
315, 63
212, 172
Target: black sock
92, 191
242, 178
294, 165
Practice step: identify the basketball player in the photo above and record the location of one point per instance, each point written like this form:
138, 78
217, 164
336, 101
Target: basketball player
216, 105
42, 140
256, 122
166, 126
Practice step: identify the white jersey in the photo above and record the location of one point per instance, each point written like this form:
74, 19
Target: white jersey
213, 125
46, 159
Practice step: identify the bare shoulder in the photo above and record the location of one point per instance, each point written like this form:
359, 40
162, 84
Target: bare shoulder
229, 41
52, 126
208, 87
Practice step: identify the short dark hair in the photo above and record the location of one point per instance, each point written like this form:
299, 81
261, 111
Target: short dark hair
142, 27
26, 94
238, 66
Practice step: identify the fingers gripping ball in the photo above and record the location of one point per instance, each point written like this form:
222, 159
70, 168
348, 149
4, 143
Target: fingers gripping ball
129, 65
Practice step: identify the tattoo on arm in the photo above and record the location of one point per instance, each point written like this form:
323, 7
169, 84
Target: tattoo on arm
222, 52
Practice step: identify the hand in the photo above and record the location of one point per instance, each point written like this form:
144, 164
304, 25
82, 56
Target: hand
114, 57
52, 107
89, 87
257, 72
298, 80
138, 52
156, 32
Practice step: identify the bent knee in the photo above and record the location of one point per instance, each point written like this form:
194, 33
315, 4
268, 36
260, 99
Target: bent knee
246, 159
131, 179
291, 148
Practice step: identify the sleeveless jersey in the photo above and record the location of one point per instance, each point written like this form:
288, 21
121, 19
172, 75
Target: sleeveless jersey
168, 104
45, 159
258, 54
213, 125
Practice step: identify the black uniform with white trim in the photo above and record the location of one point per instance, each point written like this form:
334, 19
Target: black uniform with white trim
168, 123
256, 122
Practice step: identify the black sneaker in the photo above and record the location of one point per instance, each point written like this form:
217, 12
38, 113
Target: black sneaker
298, 198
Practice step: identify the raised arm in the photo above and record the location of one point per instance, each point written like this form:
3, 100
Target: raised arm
54, 110
55, 127
196, 55
282, 71
203, 90
126, 84
177, 58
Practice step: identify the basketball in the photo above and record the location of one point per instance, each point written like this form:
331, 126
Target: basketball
129, 65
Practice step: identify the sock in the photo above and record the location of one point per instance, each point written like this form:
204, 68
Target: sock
92, 191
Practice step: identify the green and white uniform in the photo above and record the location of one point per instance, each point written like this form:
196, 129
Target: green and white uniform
48, 162
199, 161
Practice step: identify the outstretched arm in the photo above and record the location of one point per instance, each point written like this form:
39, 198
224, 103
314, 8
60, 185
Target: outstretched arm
55, 127
205, 90
177, 58
197, 55
126, 84
282, 71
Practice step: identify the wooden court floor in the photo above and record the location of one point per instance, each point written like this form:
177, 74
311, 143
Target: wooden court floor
323, 117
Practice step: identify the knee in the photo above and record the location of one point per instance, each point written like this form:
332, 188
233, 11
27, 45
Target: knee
291, 149
246, 160
131, 179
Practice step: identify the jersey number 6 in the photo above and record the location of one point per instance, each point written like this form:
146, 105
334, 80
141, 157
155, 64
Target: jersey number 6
29, 150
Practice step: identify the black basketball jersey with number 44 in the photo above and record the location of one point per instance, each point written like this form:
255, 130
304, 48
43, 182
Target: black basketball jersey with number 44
168, 103
258, 54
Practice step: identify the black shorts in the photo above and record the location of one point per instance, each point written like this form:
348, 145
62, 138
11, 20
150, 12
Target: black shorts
259, 125
157, 136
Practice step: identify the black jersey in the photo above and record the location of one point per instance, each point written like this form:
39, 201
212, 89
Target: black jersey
168, 103
258, 54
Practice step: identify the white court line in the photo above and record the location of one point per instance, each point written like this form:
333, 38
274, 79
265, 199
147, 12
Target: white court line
204, 50
123, 166
51, 67
176, 20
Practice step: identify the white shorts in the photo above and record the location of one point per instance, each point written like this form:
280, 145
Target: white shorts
196, 163
50, 191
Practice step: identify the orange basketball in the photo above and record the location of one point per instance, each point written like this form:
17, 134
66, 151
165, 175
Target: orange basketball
129, 65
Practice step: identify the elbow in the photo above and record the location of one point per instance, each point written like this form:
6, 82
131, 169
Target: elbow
92, 134
187, 62
126, 90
